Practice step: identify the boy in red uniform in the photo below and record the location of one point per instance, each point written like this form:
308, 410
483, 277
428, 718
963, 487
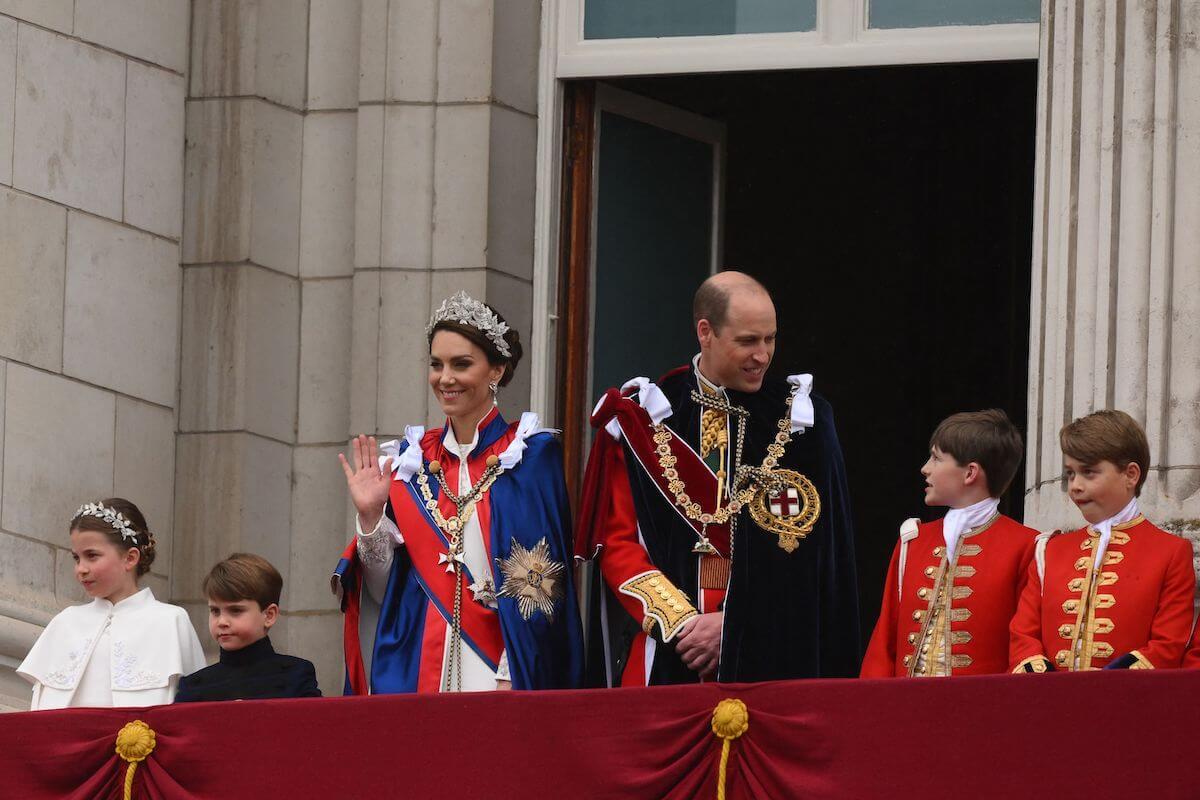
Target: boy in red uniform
953, 584
1117, 593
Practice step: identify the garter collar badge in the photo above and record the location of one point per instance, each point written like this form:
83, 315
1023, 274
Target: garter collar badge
781, 501
787, 505
531, 578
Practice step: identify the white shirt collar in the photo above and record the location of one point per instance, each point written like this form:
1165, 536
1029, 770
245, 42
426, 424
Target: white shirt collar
1105, 527
705, 382
960, 520
462, 451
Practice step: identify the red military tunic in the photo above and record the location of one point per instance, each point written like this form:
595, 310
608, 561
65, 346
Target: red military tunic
1191, 659
950, 618
1138, 602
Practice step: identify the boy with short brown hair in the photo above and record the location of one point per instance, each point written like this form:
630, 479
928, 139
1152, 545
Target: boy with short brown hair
1116, 593
953, 584
243, 604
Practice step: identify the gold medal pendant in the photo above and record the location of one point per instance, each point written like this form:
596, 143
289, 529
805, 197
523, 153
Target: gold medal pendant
788, 506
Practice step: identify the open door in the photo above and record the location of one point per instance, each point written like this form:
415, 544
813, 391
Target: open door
642, 228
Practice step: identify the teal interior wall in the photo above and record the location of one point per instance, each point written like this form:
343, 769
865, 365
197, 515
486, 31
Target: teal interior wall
622, 19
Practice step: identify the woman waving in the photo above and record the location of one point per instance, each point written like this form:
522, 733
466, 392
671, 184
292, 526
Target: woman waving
461, 551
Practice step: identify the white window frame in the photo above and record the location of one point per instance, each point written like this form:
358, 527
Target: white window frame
842, 38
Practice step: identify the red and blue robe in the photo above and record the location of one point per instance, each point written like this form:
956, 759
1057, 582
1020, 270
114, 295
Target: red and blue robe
524, 505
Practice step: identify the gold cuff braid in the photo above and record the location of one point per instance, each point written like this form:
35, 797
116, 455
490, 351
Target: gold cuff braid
1034, 664
662, 603
1140, 661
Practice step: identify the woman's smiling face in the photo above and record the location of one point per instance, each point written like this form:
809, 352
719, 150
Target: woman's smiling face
459, 374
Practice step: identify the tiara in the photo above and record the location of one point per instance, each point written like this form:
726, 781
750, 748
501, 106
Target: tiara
469, 311
109, 515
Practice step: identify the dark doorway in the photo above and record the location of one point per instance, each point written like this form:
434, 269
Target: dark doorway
889, 211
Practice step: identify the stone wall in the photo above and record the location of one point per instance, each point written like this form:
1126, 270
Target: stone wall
1116, 263
224, 224
91, 193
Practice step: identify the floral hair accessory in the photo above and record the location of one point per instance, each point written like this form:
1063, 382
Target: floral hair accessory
469, 311
109, 515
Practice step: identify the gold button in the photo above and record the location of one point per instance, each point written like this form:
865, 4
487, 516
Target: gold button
917, 615
923, 592
654, 581
924, 648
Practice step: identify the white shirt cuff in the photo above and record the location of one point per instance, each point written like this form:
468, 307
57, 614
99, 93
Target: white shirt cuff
375, 547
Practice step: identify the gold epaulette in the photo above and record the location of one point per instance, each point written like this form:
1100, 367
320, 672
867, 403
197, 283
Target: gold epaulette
662, 603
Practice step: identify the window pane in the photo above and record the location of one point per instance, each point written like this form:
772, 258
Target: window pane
633, 19
933, 13
653, 240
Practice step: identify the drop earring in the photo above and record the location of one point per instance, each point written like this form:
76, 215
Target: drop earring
495, 387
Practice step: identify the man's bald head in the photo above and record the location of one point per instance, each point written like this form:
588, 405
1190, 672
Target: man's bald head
712, 298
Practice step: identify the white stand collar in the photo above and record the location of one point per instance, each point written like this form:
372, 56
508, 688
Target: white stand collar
1105, 527
960, 520
703, 381
460, 450
135, 601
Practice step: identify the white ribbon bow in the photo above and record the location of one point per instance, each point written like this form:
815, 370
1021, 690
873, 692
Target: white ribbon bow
650, 397
529, 425
803, 414
404, 465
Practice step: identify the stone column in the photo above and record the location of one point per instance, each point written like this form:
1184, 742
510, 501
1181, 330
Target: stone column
445, 189
268, 251
91, 187
1116, 262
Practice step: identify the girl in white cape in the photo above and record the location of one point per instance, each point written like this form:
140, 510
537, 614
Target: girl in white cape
124, 648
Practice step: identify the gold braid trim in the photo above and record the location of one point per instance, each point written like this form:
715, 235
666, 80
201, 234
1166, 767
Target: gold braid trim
661, 602
1140, 661
1035, 664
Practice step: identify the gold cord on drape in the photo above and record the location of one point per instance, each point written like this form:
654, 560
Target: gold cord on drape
135, 742
730, 720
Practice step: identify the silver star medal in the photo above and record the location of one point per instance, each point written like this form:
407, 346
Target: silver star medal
485, 593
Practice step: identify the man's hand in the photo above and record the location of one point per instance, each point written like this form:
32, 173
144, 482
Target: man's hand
699, 643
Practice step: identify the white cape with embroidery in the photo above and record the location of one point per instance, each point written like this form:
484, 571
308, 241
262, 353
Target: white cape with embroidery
149, 646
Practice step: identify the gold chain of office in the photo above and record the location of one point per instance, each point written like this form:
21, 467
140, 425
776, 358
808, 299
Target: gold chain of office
453, 558
746, 478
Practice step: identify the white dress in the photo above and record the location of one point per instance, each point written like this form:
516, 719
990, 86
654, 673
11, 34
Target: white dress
105, 655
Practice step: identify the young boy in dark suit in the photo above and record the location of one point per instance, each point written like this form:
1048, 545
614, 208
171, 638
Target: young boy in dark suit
243, 603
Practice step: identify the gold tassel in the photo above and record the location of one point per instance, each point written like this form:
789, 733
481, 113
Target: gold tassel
730, 720
135, 742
